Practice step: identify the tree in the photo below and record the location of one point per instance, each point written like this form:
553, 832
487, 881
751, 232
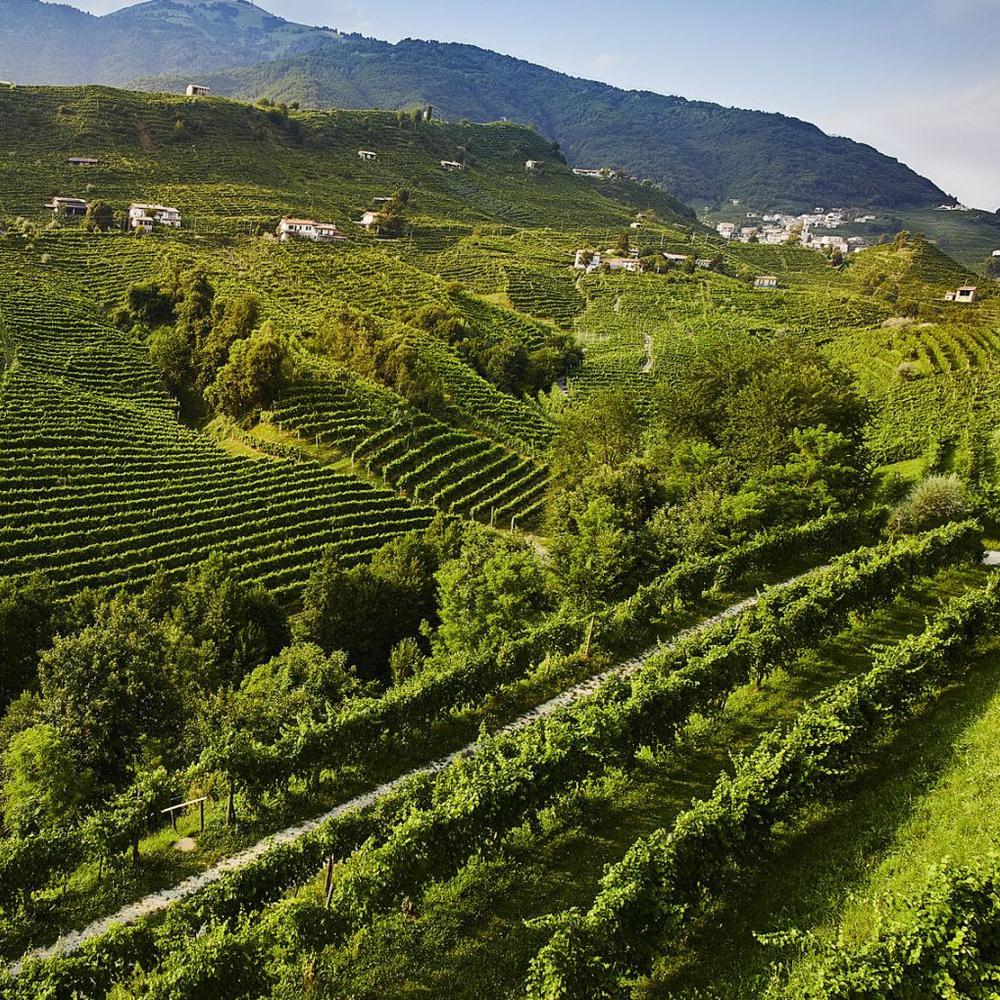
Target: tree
301, 683
606, 429
252, 376
171, 352
493, 592
236, 625
114, 691
44, 786
601, 545
100, 216
27, 624
342, 608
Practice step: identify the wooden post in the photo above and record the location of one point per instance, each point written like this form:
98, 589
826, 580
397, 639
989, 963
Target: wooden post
329, 877
173, 819
201, 809
329, 884
590, 635
231, 805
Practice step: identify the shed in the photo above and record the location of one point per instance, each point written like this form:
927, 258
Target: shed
367, 155
198, 90
765, 281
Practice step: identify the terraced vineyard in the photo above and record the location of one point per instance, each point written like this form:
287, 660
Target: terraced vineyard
428, 460
101, 485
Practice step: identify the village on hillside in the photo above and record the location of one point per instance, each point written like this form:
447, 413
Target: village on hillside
778, 228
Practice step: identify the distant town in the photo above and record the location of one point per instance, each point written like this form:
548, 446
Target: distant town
778, 228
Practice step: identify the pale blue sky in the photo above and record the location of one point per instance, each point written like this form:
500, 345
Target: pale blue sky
919, 79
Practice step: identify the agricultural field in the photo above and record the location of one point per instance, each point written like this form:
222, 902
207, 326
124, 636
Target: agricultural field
414, 615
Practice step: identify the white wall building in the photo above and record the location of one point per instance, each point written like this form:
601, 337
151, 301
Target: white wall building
308, 229
143, 216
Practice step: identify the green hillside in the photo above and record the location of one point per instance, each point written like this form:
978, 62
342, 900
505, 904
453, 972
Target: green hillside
699, 151
414, 614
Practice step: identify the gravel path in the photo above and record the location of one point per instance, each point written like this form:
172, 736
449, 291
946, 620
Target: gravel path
161, 900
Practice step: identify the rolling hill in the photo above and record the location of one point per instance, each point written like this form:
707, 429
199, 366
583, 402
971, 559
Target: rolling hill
697, 150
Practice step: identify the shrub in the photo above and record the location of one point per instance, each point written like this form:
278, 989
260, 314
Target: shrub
933, 502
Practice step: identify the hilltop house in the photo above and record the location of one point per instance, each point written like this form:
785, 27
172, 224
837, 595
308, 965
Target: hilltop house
198, 90
308, 229
765, 281
966, 294
452, 165
83, 161
368, 220
367, 155
143, 216
67, 206
532, 164
600, 173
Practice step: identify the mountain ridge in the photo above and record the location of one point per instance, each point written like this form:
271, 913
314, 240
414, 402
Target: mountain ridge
699, 151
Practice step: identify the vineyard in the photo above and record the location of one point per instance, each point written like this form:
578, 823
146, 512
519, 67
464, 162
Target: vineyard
412, 614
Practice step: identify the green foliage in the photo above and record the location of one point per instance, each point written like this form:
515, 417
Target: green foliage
933, 501
27, 623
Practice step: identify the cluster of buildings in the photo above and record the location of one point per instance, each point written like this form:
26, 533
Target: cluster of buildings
142, 217
589, 261
778, 228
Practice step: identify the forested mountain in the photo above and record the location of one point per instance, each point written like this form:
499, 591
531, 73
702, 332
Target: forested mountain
55, 43
697, 150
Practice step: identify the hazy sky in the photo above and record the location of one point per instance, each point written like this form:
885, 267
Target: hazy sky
919, 79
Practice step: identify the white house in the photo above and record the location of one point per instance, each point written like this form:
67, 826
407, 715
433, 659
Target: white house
83, 161
586, 261
143, 216
68, 206
369, 219
367, 154
532, 164
966, 294
452, 165
629, 264
727, 230
765, 281
600, 173
198, 90
308, 229
996, 253
676, 258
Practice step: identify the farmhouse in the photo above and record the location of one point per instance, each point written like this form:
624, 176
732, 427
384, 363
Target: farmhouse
68, 206
586, 260
600, 173
308, 229
966, 294
765, 281
83, 161
727, 230
629, 264
142, 216
369, 219
453, 165
367, 155
198, 90
676, 258
533, 164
